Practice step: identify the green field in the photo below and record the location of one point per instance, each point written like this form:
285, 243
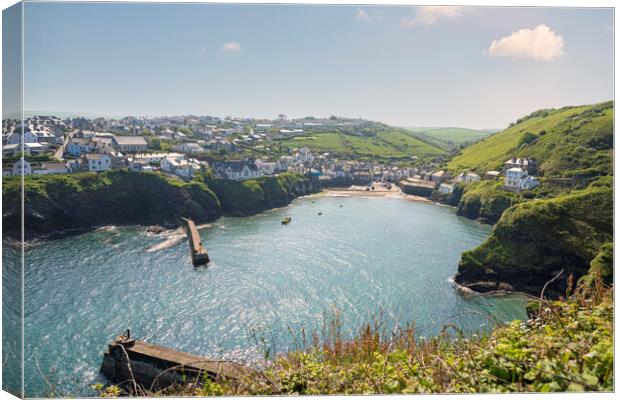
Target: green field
448, 137
389, 144
572, 141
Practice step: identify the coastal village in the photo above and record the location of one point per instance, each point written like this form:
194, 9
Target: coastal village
181, 147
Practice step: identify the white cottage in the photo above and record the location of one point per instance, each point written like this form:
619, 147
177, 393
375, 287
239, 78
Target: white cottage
22, 166
445, 188
96, 162
467, 177
518, 179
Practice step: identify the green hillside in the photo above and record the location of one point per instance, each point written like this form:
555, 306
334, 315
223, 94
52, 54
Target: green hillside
451, 137
536, 239
388, 144
563, 224
569, 142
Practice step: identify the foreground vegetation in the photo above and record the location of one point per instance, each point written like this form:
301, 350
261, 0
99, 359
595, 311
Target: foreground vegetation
566, 345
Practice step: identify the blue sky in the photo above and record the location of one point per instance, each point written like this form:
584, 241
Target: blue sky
407, 66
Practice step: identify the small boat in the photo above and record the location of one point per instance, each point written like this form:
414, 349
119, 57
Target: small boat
286, 220
320, 213
341, 206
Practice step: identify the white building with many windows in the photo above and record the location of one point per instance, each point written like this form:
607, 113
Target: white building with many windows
96, 162
518, 179
78, 146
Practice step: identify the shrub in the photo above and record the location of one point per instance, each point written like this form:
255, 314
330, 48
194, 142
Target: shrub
566, 345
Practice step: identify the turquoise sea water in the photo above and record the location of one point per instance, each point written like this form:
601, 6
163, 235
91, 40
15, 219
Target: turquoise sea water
370, 256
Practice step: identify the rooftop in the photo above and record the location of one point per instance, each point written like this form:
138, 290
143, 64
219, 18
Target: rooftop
130, 140
94, 156
53, 166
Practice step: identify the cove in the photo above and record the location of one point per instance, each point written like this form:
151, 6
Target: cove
362, 257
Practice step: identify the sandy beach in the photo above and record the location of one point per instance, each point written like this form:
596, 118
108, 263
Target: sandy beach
379, 191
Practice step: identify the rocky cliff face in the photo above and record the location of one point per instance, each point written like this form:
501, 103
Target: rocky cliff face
64, 204
57, 204
256, 195
534, 241
484, 201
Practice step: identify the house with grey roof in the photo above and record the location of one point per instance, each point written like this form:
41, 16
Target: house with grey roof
96, 162
129, 144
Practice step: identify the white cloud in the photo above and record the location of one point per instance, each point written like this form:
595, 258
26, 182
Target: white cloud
540, 43
430, 15
365, 16
361, 14
232, 47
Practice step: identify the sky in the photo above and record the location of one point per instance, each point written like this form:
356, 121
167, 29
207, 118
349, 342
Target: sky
475, 67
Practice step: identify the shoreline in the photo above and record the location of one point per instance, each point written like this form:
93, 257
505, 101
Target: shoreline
352, 191
381, 191
466, 291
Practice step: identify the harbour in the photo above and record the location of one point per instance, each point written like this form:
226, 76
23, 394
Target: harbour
371, 256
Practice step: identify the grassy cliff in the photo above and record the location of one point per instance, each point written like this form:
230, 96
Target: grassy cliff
569, 142
563, 225
535, 240
65, 203
486, 200
255, 195
573, 145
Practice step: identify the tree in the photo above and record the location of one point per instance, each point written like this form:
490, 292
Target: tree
527, 138
155, 143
